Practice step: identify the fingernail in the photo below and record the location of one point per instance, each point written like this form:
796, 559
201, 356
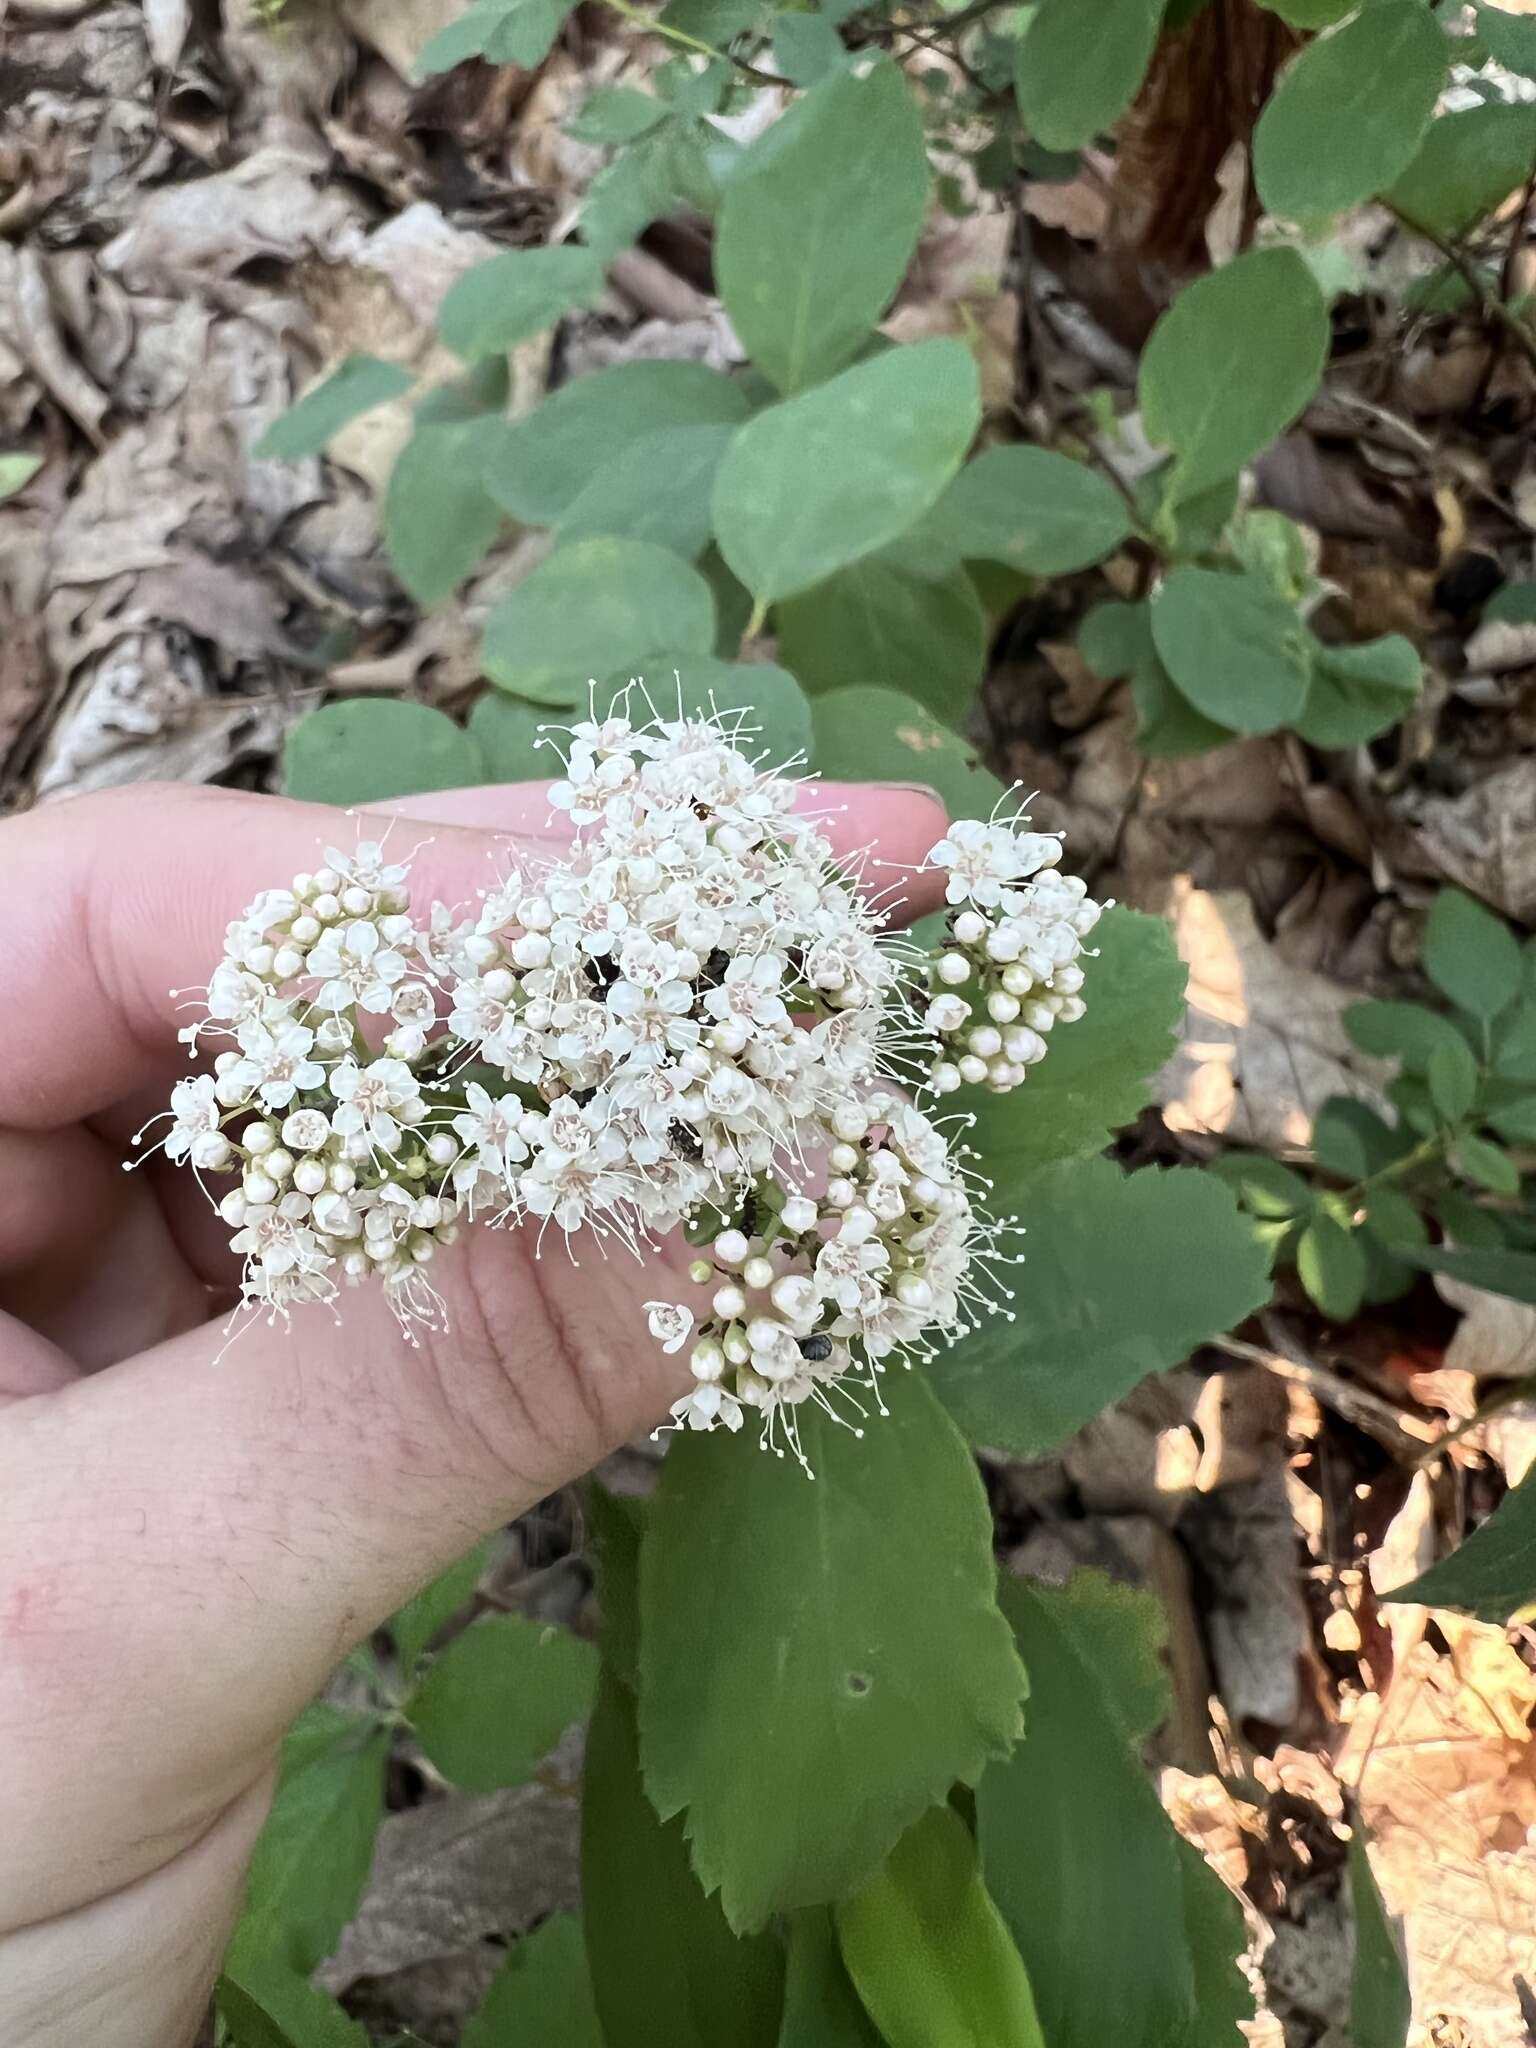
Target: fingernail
914, 789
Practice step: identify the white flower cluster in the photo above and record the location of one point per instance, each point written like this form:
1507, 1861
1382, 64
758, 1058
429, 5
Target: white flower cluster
687, 1016
1010, 972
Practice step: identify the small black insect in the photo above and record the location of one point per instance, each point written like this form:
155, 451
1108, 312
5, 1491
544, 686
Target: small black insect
814, 1349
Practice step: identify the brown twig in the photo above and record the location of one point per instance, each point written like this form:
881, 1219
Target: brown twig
1492, 305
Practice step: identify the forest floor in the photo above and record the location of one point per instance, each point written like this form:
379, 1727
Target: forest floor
196, 218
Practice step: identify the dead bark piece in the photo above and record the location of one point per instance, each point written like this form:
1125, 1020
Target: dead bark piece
1483, 839
26, 309
450, 1874
1243, 1542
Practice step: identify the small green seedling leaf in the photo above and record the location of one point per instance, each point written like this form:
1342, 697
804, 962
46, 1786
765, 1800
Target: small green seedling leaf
1470, 955
1354, 693
1233, 646
16, 472
498, 1698
1039, 512
415, 1624
1489, 1166
1493, 1574
1331, 1266
541, 1993
1467, 166
356, 387
515, 295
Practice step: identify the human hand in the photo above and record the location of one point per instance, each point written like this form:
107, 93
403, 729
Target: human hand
187, 1548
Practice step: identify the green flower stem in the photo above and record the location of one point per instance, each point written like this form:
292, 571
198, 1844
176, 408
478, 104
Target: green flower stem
684, 41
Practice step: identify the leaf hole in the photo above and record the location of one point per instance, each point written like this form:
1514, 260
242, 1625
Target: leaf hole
858, 1684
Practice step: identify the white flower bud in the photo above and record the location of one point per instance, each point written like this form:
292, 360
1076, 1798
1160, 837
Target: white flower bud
954, 968
258, 1138
970, 928
233, 1207
945, 1078
850, 1121
1002, 1008
1017, 979
735, 1345
986, 1041
706, 1361
326, 906
211, 1152
730, 1248
309, 1177
341, 1178
701, 1272
973, 1069
287, 961
729, 1301
356, 902
441, 1149
799, 1214
842, 1158
278, 1162
758, 1272
858, 1225
259, 1187
305, 929
913, 1291
794, 1295
840, 1193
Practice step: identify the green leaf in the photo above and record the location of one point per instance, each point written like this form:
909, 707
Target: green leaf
820, 480
313, 1854
1331, 1265
356, 387
438, 520
667, 1972
535, 468
616, 114
617, 1522
1471, 955
499, 1697
541, 1993
927, 1949
928, 640
265, 2005
1168, 725
1493, 1574
363, 750
1094, 1078
1086, 1867
1121, 1635
1357, 692
1087, 1329
819, 221
1217, 1935
657, 490
17, 471
520, 32
415, 1624
1401, 1031
1452, 1077
1467, 166
1380, 2001
1231, 364
1040, 512
868, 734
1509, 39
806, 47
776, 718
1347, 118
1233, 646
821, 2007
1074, 82
1114, 637
1393, 1218
1310, 13
1264, 1187
1487, 1165
1351, 1140
591, 608
514, 295
735, 1533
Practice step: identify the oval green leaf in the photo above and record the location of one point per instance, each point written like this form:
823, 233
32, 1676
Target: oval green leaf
1074, 78
594, 607
1347, 119
819, 221
923, 639
366, 749
823, 479
1233, 646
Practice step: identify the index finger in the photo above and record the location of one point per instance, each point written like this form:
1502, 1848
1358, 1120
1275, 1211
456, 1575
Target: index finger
116, 901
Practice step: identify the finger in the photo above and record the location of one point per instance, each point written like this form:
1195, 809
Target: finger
122, 897
86, 1256
215, 1535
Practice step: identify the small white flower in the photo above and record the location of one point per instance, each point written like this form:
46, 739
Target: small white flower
670, 1323
376, 1102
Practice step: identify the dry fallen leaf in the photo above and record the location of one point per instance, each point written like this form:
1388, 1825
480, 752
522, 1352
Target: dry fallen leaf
1263, 1045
